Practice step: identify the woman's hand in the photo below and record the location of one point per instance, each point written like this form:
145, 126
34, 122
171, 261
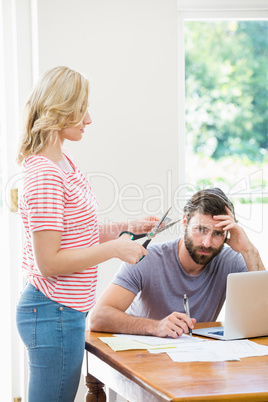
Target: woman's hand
128, 250
143, 225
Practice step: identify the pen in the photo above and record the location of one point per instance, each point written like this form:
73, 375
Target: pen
187, 310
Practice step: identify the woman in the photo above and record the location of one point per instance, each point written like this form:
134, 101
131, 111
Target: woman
63, 241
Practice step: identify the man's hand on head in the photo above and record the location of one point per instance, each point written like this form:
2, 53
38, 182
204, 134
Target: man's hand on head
237, 238
239, 241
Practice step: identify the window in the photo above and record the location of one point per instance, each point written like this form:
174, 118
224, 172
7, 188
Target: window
226, 100
225, 63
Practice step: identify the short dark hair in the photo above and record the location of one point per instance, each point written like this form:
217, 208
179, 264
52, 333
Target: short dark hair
208, 202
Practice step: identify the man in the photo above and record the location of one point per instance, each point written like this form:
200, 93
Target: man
147, 298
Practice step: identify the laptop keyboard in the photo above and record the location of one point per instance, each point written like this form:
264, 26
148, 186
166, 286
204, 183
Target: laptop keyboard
221, 333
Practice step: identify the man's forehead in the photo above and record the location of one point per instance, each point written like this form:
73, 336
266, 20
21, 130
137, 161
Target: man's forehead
203, 220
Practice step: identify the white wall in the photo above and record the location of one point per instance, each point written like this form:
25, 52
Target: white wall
128, 49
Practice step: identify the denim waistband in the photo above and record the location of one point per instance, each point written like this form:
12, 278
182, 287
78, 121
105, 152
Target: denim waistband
31, 292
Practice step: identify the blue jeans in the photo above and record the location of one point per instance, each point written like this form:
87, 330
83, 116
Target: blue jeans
55, 339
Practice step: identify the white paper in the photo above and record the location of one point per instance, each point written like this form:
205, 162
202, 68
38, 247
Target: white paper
217, 351
246, 348
189, 349
155, 340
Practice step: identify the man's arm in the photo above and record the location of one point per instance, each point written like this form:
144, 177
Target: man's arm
239, 241
109, 315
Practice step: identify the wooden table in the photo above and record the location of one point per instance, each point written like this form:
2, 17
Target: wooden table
140, 376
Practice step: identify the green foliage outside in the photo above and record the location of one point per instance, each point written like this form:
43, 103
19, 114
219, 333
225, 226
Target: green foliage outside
226, 69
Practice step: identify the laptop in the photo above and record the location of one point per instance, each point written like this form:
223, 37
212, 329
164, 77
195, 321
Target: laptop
246, 309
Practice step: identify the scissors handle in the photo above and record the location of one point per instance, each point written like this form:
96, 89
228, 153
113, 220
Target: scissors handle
145, 244
133, 235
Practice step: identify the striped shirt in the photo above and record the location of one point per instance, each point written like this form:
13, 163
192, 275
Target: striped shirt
55, 199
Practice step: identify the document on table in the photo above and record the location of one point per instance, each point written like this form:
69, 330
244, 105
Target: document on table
187, 348
155, 340
120, 342
215, 351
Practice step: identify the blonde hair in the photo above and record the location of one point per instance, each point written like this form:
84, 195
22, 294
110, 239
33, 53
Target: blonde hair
59, 100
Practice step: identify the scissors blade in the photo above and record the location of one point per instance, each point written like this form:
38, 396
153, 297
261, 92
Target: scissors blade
155, 228
168, 226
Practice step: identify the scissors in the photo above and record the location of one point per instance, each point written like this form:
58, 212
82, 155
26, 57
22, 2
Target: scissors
155, 231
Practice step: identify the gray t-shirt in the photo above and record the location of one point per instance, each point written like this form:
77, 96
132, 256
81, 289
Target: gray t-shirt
159, 283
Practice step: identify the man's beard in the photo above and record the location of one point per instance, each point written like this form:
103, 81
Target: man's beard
200, 259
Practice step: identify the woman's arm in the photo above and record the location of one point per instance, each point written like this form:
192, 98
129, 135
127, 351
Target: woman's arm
111, 231
52, 260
